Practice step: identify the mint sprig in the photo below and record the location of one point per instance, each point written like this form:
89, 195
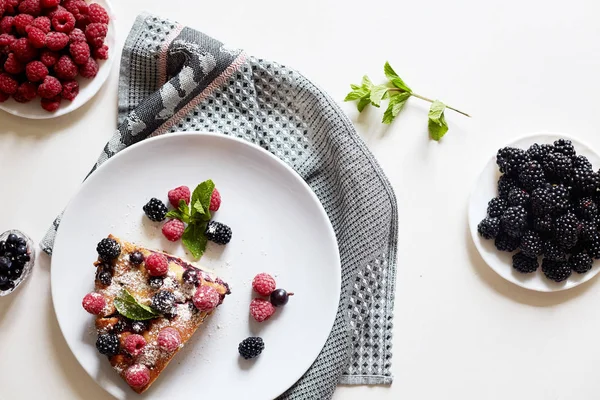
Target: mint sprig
398, 92
129, 307
196, 216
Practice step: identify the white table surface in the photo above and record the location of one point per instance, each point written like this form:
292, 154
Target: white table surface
461, 331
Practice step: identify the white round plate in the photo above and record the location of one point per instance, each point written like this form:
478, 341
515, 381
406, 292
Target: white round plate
501, 261
87, 87
279, 227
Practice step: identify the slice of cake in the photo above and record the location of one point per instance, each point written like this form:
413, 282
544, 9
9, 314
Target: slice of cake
148, 304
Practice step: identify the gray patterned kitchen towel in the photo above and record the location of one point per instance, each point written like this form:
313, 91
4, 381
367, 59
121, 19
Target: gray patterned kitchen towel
174, 78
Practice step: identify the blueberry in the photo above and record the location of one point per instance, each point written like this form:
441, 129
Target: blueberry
21, 242
2, 247
121, 326
156, 282
3, 279
15, 273
21, 250
12, 239
23, 258
9, 285
190, 276
5, 265
136, 258
280, 297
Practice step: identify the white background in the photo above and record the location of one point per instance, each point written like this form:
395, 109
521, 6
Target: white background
460, 330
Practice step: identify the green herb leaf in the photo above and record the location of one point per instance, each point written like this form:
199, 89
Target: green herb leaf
198, 207
202, 193
437, 122
354, 87
366, 83
129, 307
377, 93
356, 94
394, 78
183, 207
194, 239
362, 103
396, 104
175, 214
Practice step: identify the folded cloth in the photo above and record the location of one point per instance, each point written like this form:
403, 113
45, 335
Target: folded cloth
174, 78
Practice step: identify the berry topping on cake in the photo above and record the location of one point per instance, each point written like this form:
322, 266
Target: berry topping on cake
206, 298
94, 303
215, 200
136, 258
134, 344
251, 347
157, 264
137, 376
155, 282
163, 301
155, 210
169, 339
108, 344
173, 230
139, 327
179, 193
108, 249
190, 276
263, 284
104, 275
218, 232
261, 310
280, 297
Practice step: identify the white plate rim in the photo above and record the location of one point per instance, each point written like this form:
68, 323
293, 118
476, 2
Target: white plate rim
32, 109
338, 282
473, 220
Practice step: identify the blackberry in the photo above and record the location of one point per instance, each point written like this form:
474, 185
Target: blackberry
552, 251
489, 228
525, 264
518, 197
557, 271
510, 160
538, 152
514, 221
218, 232
584, 181
505, 184
155, 210
587, 209
559, 198
592, 246
587, 231
155, 282
108, 249
541, 202
121, 326
163, 302
580, 262
139, 327
566, 230
108, 344
532, 175
565, 147
531, 244
544, 224
496, 207
251, 347
558, 167
104, 275
504, 242
136, 258
581, 162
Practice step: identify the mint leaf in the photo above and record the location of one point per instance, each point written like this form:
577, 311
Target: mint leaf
356, 94
396, 104
175, 214
366, 83
362, 103
129, 307
202, 193
354, 87
437, 122
394, 78
377, 93
194, 239
198, 207
183, 207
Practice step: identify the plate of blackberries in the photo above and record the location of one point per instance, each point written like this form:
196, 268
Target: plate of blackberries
535, 212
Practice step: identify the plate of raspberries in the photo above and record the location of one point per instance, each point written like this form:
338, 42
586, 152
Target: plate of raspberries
55, 55
535, 212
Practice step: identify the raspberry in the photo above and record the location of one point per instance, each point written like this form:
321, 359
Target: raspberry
82, 22
89, 69
50, 88
169, 339
6, 24
26, 92
22, 21
101, 53
8, 84
36, 36
95, 34
54, 10
134, 344
261, 310
52, 104
10, 6
7, 39
56, 41
70, 90
173, 230
42, 23
93, 303
77, 35
80, 52
49, 58
2, 8
179, 193
97, 13
137, 376
49, 3
4, 97
263, 284
31, 7
65, 68
215, 200
13, 66
63, 21
24, 50
36, 71
206, 298
78, 8
157, 264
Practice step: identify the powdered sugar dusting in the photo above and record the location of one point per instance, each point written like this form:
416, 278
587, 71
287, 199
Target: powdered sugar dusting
150, 355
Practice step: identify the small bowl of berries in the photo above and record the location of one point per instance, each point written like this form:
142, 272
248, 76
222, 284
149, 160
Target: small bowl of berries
17, 255
55, 55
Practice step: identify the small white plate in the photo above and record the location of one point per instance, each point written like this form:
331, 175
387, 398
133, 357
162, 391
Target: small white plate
501, 261
87, 87
279, 226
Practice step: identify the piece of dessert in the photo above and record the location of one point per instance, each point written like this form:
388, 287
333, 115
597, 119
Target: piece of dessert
148, 304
